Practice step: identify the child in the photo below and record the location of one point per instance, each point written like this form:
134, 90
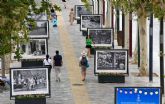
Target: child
55, 21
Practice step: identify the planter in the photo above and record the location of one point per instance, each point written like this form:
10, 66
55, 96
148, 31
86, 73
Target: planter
31, 101
92, 51
111, 79
32, 62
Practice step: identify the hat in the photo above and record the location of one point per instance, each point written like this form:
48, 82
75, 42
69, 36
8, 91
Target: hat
83, 53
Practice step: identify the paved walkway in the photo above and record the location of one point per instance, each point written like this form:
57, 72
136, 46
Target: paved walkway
71, 90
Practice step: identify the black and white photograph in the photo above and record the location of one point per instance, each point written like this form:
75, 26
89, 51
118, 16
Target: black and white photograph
41, 30
81, 9
111, 61
42, 16
101, 36
90, 21
35, 48
29, 81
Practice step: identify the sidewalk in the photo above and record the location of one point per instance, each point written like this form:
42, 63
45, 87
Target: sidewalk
101, 93
70, 42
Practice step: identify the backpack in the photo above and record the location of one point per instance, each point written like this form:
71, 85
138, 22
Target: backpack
83, 61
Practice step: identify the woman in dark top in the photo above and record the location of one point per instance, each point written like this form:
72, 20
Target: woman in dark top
64, 1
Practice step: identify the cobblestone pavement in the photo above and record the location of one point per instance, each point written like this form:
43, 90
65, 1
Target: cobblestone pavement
61, 93
101, 93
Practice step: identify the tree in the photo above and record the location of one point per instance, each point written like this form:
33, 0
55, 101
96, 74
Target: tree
14, 26
142, 8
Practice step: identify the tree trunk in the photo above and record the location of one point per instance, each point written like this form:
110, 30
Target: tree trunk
135, 53
3, 65
143, 45
5, 59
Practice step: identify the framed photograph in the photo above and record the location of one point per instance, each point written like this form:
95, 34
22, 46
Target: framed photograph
81, 9
42, 16
90, 21
111, 61
34, 49
101, 36
29, 81
41, 30
138, 95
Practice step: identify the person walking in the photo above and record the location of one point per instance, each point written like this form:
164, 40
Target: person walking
83, 63
53, 13
64, 2
57, 65
48, 62
71, 16
54, 21
89, 43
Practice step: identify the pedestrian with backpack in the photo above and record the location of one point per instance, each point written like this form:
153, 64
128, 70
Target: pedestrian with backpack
83, 63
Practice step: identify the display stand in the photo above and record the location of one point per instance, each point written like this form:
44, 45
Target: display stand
103, 78
92, 51
31, 62
31, 100
78, 21
84, 33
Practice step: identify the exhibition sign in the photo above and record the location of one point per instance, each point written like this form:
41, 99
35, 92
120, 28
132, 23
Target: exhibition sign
138, 95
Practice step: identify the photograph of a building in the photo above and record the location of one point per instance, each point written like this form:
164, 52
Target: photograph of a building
35, 48
90, 21
41, 30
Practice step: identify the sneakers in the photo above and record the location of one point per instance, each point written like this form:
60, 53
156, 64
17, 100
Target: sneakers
83, 79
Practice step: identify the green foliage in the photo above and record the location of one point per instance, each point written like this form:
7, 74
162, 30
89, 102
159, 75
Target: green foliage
86, 3
18, 54
15, 23
140, 7
57, 8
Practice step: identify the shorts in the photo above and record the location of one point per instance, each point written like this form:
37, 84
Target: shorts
83, 68
88, 46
